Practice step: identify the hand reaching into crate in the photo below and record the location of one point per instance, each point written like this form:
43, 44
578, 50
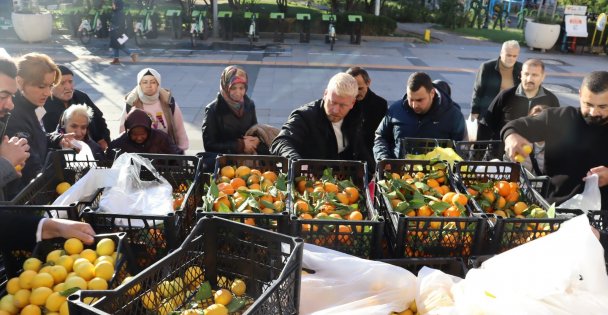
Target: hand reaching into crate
52, 228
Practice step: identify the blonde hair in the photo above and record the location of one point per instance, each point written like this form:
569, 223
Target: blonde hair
77, 110
344, 85
33, 66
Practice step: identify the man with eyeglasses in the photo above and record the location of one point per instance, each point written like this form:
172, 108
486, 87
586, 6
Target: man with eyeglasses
13, 151
323, 129
426, 111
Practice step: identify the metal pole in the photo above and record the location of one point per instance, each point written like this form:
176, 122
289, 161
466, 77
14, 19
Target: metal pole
216, 24
377, 8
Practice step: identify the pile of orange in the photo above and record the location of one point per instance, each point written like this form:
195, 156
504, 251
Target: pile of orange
179, 194
420, 194
501, 197
245, 190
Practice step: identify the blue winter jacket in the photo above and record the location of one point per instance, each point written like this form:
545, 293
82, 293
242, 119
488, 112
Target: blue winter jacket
443, 121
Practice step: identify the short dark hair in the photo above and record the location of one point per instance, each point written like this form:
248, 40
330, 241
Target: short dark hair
535, 63
418, 80
596, 82
8, 67
356, 71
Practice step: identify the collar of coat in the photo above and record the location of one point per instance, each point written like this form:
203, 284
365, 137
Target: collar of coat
520, 92
164, 95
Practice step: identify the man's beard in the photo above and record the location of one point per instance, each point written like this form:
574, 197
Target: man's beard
595, 120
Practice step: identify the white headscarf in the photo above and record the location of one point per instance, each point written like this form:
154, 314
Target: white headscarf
143, 97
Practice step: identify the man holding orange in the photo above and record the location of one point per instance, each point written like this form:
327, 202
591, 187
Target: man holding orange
575, 140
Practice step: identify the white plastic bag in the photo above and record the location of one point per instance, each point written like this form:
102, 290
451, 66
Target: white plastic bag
131, 195
590, 199
471, 129
344, 284
561, 273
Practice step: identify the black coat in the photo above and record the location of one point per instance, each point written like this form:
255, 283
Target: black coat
508, 105
308, 134
98, 129
25, 124
223, 130
487, 84
572, 148
117, 26
17, 231
371, 110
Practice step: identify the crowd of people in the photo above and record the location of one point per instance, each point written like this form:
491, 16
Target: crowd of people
349, 121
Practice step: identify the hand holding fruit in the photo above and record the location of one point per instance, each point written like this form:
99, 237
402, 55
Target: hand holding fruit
16, 151
517, 147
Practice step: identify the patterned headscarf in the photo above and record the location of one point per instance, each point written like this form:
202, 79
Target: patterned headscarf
143, 97
231, 76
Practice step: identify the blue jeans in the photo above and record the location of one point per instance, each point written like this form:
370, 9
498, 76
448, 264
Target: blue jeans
123, 48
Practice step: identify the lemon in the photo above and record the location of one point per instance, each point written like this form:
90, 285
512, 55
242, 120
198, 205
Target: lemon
89, 300
105, 247
66, 261
89, 255
519, 158
71, 274
63, 309
54, 255
85, 270
238, 287
54, 301
31, 310
104, 270
39, 295
62, 187
59, 273
59, 287
32, 264
216, 309
165, 308
104, 258
222, 296
74, 282
151, 300
527, 149
133, 290
25, 279
97, 284
73, 246
12, 286
6, 304
42, 280
79, 261
166, 288
45, 269
21, 298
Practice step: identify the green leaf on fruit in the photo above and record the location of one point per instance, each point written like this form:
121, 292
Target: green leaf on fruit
204, 291
236, 304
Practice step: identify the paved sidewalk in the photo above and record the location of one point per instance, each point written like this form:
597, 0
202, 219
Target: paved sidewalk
286, 75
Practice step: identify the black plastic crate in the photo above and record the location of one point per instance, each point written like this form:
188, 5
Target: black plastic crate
269, 263
278, 222
479, 150
40, 192
151, 236
123, 266
360, 238
421, 145
428, 236
511, 232
538, 183
454, 266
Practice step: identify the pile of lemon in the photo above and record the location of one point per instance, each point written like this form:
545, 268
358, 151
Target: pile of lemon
43, 287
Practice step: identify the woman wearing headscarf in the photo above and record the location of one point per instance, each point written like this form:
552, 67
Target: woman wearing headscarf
159, 104
230, 115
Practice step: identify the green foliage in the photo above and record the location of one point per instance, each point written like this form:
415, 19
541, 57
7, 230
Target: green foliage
451, 14
496, 35
407, 11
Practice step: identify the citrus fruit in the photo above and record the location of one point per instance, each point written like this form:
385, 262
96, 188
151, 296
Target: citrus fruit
105, 247
32, 264
104, 270
39, 295
133, 290
66, 261
25, 279
43, 280
59, 273
89, 255
6, 304
31, 310
238, 287
64, 309
222, 296
97, 283
527, 149
54, 301
75, 282
216, 309
151, 300
73, 246
62, 187
54, 255
12, 286
21, 298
